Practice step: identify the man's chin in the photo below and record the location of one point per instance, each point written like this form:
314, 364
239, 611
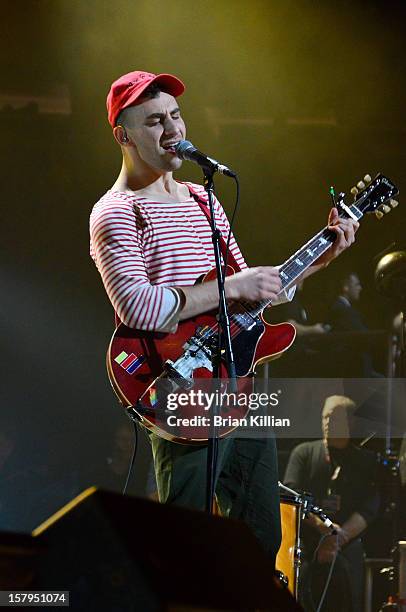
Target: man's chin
172, 165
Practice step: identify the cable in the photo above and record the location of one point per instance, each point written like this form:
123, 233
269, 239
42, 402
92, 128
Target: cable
310, 572
132, 457
328, 580
236, 206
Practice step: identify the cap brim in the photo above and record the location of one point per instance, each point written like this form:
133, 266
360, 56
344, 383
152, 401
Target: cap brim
169, 84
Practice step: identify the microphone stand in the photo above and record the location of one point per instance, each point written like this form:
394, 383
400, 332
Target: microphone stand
223, 340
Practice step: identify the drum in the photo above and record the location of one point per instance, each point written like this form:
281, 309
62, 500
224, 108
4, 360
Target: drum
288, 557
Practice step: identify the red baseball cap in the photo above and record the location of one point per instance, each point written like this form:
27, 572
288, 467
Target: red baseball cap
125, 90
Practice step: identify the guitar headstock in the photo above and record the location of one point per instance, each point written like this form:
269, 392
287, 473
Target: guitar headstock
375, 196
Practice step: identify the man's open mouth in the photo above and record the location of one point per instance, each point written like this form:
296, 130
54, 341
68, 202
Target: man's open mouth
170, 146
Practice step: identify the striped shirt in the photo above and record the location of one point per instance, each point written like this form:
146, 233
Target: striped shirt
143, 248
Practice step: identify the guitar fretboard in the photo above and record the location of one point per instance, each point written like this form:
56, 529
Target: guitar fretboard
300, 261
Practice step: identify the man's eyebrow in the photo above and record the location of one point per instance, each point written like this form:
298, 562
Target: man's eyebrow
159, 115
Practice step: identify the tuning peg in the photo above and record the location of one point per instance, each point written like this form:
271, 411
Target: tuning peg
354, 191
393, 203
378, 214
367, 178
386, 208
361, 185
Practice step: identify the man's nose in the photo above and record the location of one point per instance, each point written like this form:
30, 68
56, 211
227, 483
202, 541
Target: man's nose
170, 126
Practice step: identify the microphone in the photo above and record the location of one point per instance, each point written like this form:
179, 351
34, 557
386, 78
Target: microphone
310, 507
324, 518
185, 150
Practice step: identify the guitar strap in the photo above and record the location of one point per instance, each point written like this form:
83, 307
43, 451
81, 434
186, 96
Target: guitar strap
223, 245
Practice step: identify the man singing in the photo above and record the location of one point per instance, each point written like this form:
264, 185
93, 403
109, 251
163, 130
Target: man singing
150, 241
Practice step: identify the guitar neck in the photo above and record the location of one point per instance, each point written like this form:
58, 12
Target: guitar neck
303, 258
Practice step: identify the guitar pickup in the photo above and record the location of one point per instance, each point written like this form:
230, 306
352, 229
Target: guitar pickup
196, 344
176, 376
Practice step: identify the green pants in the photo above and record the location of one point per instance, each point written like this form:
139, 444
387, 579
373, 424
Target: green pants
246, 485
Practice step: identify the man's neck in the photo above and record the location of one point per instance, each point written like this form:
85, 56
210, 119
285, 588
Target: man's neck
148, 183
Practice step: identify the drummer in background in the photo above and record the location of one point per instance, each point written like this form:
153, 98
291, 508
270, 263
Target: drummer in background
340, 476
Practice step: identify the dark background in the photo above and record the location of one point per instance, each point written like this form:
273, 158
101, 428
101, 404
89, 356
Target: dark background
294, 95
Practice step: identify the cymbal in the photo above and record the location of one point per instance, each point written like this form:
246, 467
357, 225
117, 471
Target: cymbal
390, 275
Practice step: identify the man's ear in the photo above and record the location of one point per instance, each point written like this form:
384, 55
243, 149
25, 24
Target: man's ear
121, 136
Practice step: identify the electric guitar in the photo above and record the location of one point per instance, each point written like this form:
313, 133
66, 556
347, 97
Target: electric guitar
145, 367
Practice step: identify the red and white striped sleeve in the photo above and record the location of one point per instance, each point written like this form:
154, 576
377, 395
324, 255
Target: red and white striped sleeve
117, 248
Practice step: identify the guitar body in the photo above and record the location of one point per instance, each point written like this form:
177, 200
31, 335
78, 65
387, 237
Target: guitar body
136, 360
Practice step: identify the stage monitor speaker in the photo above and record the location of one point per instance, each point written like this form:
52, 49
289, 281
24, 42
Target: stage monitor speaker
117, 553
18, 558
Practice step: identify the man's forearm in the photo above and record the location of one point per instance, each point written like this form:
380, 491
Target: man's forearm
346, 532
252, 284
199, 299
353, 526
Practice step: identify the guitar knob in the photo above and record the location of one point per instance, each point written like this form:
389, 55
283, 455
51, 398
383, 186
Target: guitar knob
393, 203
367, 178
361, 185
378, 214
386, 208
354, 191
